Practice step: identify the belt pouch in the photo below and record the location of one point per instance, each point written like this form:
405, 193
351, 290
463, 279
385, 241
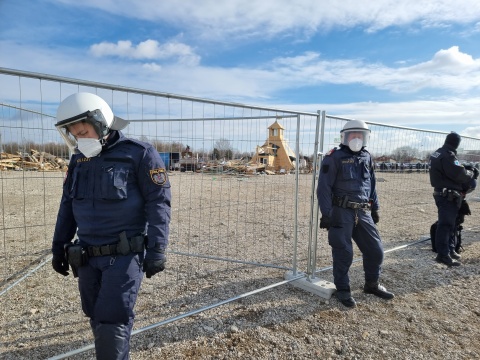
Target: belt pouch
123, 246
137, 244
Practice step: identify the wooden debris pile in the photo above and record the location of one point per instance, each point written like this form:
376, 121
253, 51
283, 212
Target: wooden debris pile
238, 166
36, 161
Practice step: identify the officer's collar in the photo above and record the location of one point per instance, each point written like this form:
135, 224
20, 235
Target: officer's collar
450, 148
113, 137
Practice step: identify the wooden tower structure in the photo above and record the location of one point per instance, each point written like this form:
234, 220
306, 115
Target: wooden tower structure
275, 154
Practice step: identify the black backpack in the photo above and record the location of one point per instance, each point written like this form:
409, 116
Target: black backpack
456, 236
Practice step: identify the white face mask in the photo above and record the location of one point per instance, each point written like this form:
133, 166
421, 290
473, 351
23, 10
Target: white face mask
89, 147
355, 144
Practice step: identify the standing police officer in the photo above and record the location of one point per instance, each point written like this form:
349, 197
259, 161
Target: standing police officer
350, 209
116, 197
449, 179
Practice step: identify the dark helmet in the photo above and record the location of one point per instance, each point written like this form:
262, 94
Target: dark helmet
453, 139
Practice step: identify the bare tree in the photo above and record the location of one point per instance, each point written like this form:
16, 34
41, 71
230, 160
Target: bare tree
405, 154
224, 148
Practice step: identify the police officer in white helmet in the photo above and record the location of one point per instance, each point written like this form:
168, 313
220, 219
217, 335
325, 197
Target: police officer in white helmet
350, 209
116, 199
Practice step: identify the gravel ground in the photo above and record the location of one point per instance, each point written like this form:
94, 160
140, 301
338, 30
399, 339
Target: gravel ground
434, 315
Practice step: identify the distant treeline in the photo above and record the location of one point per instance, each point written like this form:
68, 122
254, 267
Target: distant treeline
61, 150
223, 150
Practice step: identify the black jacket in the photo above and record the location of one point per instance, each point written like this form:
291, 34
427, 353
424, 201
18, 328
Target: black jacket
446, 171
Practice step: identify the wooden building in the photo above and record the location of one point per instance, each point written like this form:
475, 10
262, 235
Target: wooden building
275, 154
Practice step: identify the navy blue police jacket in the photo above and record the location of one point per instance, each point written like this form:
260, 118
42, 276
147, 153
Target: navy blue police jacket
124, 188
345, 173
446, 171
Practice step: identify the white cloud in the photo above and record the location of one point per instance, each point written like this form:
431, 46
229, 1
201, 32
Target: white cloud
449, 70
288, 73
152, 67
448, 114
473, 131
213, 18
148, 49
450, 61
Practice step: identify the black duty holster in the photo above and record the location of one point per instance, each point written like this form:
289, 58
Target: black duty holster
453, 195
76, 256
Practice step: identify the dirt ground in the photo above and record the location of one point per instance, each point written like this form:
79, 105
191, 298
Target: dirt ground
434, 315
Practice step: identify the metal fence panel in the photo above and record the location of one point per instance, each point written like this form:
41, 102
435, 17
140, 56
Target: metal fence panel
401, 157
229, 225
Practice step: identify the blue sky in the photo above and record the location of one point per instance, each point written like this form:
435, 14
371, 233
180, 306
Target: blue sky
409, 63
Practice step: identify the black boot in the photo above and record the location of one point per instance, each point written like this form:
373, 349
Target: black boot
378, 290
345, 297
447, 260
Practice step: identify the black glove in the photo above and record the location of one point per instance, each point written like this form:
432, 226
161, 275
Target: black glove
325, 222
475, 173
375, 216
464, 208
60, 264
473, 169
154, 263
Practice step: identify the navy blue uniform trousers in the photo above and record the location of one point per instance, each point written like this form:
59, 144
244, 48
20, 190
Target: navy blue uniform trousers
367, 238
447, 215
109, 288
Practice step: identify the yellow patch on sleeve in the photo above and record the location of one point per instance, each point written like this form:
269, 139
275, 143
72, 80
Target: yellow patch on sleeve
158, 176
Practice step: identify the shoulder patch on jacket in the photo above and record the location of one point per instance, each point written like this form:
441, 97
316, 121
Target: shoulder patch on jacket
158, 176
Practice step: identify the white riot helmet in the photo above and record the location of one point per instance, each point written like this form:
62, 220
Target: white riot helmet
355, 126
88, 108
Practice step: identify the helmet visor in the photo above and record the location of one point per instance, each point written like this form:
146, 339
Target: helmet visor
350, 134
95, 118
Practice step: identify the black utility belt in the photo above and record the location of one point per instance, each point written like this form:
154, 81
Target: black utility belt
448, 193
345, 203
102, 250
77, 255
124, 247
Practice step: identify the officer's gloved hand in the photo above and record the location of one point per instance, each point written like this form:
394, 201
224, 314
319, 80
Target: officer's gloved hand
464, 208
60, 264
475, 173
154, 262
325, 222
473, 169
375, 216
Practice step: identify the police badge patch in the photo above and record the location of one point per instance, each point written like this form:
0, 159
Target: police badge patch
158, 176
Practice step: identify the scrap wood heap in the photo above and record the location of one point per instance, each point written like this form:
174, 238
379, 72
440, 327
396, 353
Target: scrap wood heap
238, 166
36, 160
